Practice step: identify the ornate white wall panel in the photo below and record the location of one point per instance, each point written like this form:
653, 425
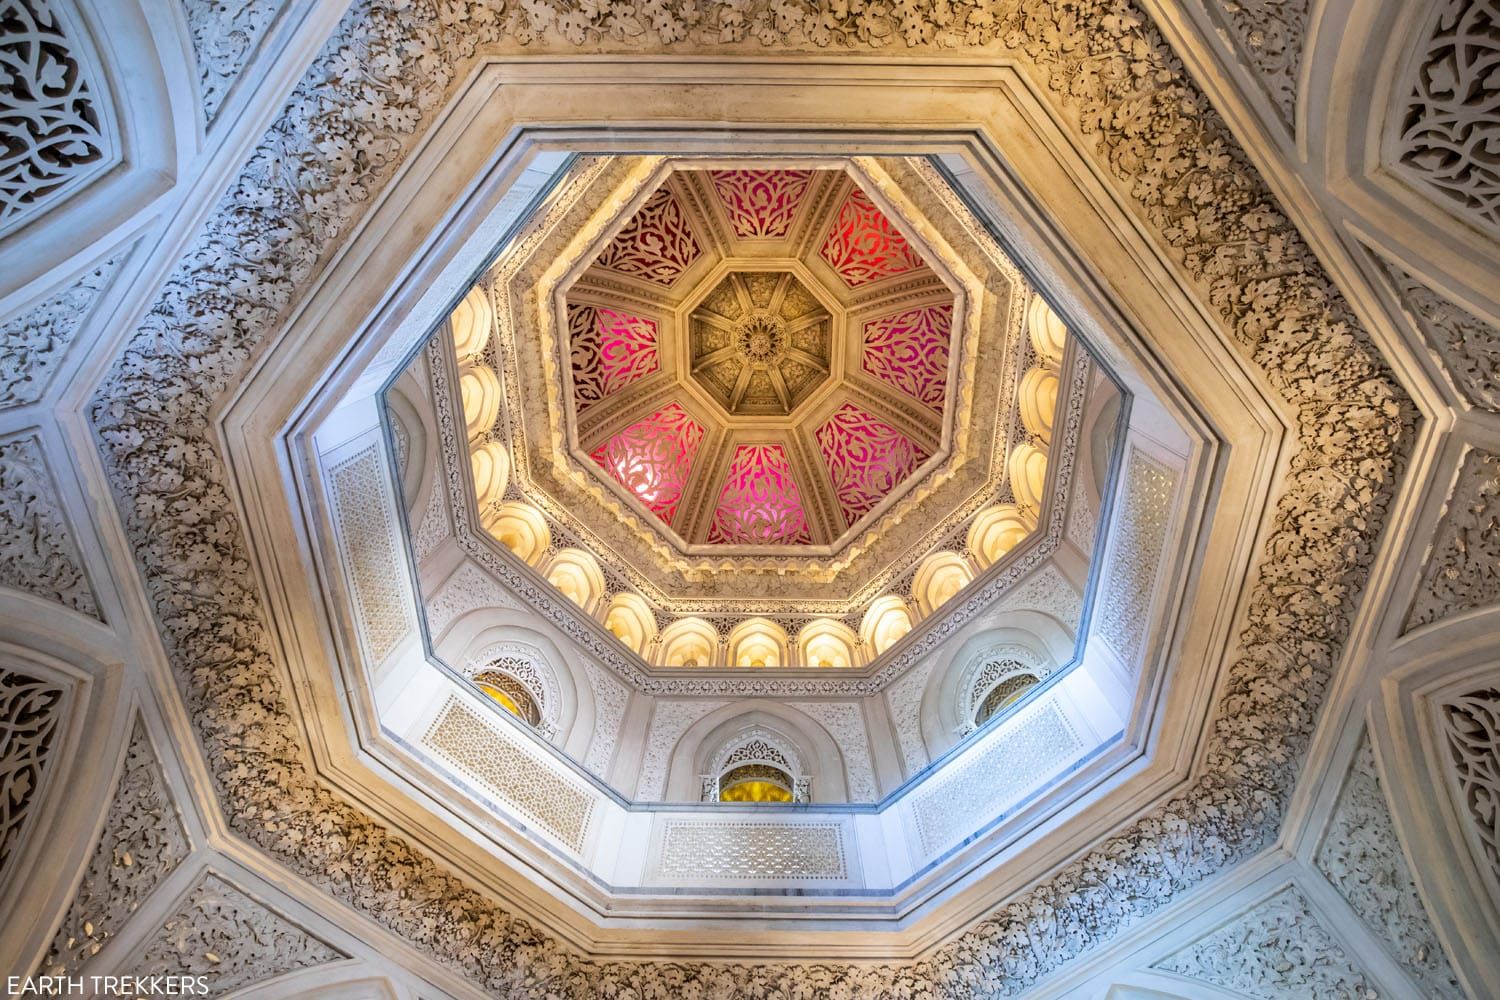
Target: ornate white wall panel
54, 113
37, 550
142, 843
1444, 140
1463, 569
736, 850
904, 699
846, 724
433, 527
365, 506
669, 721
1361, 856
225, 34
1049, 592
509, 770
1026, 750
1468, 346
1268, 36
1278, 950
1471, 728
230, 939
610, 697
1083, 521
469, 589
33, 343
1129, 582
31, 711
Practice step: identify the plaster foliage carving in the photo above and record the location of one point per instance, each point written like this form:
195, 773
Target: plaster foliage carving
1049, 592
744, 850
668, 722
143, 842
1471, 723
1445, 140
846, 724
34, 343
905, 700
1130, 583
365, 508
37, 550
30, 711
50, 112
220, 933
970, 792
501, 763
434, 525
1276, 951
1360, 854
1166, 150
610, 697
468, 589
1083, 522
225, 34
1463, 567
1268, 36
1468, 346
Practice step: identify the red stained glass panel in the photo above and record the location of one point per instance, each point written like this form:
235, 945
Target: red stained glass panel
760, 503
761, 203
652, 458
864, 246
909, 352
867, 458
608, 350
657, 244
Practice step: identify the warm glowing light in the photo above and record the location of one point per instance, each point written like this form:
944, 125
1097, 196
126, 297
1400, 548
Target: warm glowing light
652, 458
760, 503
909, 351
863, 245
866, 458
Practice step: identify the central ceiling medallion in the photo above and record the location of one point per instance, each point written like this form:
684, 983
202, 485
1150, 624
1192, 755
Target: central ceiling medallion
761, 343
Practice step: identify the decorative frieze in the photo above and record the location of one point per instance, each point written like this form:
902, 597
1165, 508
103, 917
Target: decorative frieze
37, 550
1278, 950
1462, 571
143, 842
1360, 855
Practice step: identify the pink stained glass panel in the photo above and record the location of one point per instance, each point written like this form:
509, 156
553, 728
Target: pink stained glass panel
608, 350
761, 203
909, 352
657, 244
652, 458
867, 458
760, 503
863, 245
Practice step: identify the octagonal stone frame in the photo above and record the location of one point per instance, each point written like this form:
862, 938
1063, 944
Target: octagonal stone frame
396, 269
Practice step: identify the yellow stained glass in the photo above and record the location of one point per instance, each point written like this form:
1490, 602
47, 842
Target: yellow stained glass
754, 791
504, 700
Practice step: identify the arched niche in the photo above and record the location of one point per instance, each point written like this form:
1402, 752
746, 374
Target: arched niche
1049, 336
577, 576
471, 322
410, 432
1038, 402
630, 619
938, 580
479, 390
688, 642
490, 464
985, 660
483, 641
825, 642
696, 750
1027, 470
519, 527
758, 643
886, 621
996, 530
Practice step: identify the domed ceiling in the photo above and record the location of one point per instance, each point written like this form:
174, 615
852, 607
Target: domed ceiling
759, 357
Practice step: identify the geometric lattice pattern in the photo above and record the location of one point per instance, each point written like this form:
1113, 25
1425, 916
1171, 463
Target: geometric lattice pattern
909, 351
863, 245
760, 503
652, 458
752, 850
866, 459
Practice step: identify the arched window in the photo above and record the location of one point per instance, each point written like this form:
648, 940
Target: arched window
1004, 693
511, 695
755, 767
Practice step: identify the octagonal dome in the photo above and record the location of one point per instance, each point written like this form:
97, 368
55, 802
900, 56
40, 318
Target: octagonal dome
758, 356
